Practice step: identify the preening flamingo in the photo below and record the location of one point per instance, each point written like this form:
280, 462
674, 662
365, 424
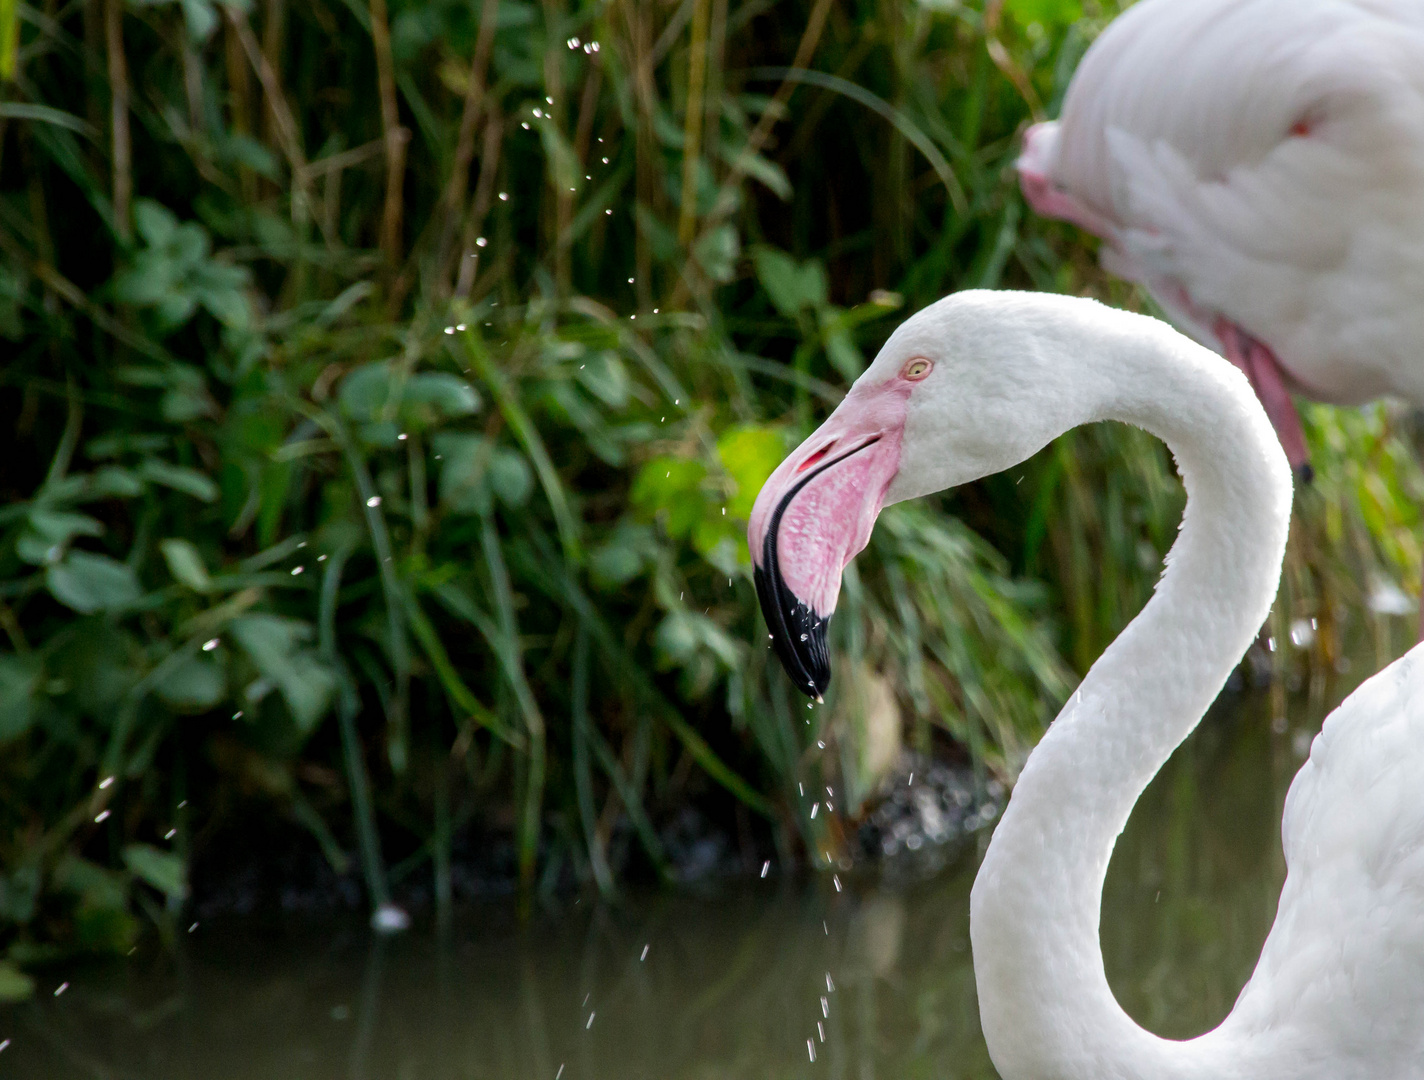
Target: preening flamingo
973, 385
1258, 166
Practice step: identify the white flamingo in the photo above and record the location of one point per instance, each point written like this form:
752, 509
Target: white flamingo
1258, 165
973, 385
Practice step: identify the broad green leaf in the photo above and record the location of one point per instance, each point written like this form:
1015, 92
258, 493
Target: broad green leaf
15, 985
624, 555
19, 893
185, 564
277, 646
431, 396
426, 398
195, 685
606, 377
179, 478
19, 685
1045, 12
88, 583
464, 468
671, 488
113, 482
717, 253
750, 454
94, 884
792, 286
510, 477
161, 869
50, 531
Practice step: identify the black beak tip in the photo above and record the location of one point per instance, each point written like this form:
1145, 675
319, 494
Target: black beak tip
798, 634
1304, 474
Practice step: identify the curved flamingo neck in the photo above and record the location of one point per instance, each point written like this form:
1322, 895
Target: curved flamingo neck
1045, 1003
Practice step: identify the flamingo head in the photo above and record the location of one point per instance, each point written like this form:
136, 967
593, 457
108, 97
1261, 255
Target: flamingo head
939, 407
1044, 191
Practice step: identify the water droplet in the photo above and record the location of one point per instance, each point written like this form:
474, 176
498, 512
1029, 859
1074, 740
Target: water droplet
644, 955
61, 988
811, 1049
297, 570
192, 928
825, 1005
590, 1021
836, 880
374, 500
108, 781
820, 1031
389, 918
814, 808
766, 868
170, 834
103, 815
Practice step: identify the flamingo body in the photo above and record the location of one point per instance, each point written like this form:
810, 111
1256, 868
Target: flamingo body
1258, 164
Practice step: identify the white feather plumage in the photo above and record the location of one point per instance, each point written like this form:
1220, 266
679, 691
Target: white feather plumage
1262, 161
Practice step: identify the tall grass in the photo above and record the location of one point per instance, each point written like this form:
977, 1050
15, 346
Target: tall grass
388, 385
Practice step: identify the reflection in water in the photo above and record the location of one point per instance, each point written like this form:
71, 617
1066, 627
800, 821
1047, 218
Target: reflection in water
742, 980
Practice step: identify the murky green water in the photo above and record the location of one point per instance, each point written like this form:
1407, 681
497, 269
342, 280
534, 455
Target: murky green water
735, 980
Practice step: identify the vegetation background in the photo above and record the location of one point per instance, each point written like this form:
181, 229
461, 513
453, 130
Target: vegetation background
386, 385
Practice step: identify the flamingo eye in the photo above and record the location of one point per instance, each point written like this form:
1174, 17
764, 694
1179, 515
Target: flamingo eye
917, 369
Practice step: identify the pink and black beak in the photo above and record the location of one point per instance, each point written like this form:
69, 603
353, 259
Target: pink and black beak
813, 515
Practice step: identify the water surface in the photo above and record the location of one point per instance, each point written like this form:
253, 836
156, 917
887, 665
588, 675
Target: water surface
738, 980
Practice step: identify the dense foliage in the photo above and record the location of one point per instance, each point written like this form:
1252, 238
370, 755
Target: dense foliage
386, 388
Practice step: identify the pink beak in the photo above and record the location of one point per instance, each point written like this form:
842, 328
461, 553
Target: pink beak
814, 514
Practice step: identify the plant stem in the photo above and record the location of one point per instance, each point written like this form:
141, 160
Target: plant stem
395, 135
120, 148
692, 123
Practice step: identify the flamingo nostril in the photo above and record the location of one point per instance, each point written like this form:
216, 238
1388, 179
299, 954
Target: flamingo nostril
816, 457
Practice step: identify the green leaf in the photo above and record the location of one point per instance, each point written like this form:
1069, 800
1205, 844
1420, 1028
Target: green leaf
88, 583
622, 558
464, 467
19, 893
49, 533
44, 114
92, 883
19, 684
606, 377
791, 286
1045, 12
179, 478
431, 396
114, 482
195, 685
15, 985
426, 398
749, 453
717, 253
161, 869
154, 222
671, 487
510, 477
186, 564
276, 646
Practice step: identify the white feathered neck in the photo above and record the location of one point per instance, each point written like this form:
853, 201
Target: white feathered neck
1046, 1006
